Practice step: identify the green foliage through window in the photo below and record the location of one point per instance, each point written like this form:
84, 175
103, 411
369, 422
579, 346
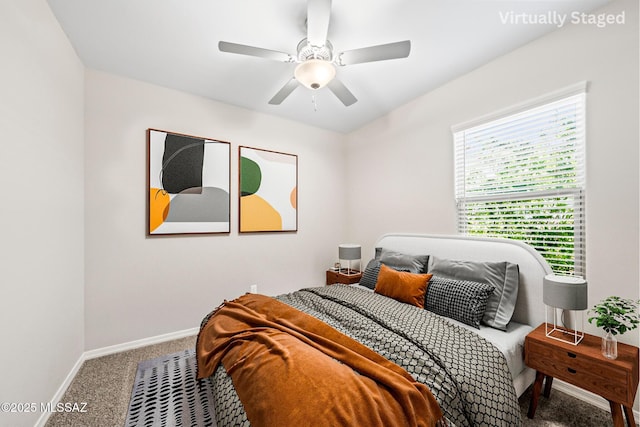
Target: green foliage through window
522, 177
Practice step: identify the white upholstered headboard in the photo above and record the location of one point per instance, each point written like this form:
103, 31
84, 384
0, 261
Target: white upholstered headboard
532, 267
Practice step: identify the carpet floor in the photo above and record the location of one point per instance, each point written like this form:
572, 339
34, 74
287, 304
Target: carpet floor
105, 384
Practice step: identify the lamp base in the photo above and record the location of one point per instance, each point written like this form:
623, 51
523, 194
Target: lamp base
349, 271
560, 333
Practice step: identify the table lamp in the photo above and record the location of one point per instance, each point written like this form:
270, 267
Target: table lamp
349, 252
564, 293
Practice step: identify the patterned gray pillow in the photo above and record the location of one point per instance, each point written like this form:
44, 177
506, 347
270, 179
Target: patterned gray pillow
503, 276
370, 274
461, 300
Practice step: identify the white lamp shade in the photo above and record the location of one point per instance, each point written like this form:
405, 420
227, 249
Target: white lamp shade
315, 73
349, 251
566, 292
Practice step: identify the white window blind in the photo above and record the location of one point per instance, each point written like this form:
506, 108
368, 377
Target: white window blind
523, 177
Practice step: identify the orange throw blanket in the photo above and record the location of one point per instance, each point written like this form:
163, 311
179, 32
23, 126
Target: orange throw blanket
284, 366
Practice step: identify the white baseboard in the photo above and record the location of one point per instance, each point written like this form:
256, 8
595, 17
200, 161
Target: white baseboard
44, 416
105, 351
586, 396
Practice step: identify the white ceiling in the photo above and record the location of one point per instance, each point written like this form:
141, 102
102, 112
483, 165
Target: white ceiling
173, 43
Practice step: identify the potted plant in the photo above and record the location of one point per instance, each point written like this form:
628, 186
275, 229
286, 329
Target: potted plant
616, 316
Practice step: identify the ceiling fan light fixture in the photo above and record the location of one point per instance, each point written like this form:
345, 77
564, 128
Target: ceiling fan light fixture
315, 73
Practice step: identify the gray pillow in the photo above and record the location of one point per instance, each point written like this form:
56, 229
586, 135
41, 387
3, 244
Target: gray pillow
462, 300
411, 263
504, 276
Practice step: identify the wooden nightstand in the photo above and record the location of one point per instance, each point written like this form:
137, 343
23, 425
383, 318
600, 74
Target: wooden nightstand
584, 366
334, 276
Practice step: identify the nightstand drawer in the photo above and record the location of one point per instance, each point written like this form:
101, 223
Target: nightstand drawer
340, 277
580, 370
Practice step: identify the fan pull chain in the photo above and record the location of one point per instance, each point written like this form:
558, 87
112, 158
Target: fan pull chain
313, 101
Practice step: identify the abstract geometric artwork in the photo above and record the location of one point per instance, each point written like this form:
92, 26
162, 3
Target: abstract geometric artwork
188, 181
268, 191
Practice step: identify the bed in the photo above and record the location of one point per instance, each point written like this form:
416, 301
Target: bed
430, 367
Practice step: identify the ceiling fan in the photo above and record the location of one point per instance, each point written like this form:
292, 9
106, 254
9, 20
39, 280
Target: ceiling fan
315, 58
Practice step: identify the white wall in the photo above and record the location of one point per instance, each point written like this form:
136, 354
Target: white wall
138, 286
41, 171
405, 159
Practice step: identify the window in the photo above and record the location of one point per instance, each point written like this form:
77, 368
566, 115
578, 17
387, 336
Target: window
522, 176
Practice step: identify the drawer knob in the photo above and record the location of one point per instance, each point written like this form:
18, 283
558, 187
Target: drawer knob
571, 355
573, 371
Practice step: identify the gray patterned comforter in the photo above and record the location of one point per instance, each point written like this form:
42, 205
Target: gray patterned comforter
467, 375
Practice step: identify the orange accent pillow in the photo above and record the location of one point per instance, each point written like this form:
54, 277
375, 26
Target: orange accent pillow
402, 286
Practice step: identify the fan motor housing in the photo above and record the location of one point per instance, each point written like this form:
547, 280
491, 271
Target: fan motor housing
307, 51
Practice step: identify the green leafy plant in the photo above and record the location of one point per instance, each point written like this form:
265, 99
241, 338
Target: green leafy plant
616, 315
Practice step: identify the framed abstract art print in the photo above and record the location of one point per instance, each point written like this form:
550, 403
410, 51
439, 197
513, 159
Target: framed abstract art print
188, 184
268, 191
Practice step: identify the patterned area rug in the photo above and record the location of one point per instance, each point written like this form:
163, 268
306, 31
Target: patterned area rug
166, 393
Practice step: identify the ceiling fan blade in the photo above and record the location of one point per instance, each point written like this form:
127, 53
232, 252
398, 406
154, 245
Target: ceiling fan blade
341, 91
254, 51
380, 52
318, 15
284, 92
